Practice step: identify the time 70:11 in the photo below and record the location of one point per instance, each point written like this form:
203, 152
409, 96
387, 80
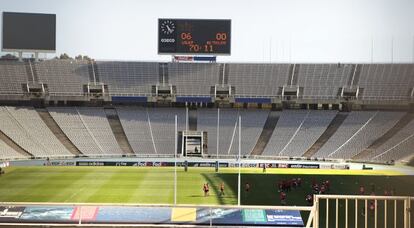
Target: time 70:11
198, 48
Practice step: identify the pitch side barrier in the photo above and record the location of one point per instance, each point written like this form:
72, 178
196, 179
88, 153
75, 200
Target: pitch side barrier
183, 162
82, 214
220, 157
200, 163
328, 211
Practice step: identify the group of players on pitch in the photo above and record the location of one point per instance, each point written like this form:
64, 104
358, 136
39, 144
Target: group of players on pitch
371, 203
285, 186
206, 189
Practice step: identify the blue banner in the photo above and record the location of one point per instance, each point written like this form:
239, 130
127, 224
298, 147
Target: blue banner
150, 215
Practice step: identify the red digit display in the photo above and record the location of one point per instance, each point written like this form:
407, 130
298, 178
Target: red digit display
186, 36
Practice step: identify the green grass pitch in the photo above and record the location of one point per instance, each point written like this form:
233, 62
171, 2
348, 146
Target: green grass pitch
155, 185
149, 185
110, 185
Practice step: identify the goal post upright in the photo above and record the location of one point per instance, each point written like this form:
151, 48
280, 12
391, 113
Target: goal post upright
239, 158
175, 162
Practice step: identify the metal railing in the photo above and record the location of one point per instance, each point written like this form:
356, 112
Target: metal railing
362, 211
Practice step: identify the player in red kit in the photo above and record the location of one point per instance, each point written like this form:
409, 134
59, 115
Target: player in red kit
309, 199
314, 182
222, 189
316, 188
322, 190
327, 185
283, 198
280, 186
205, 189
361, 190
247, 187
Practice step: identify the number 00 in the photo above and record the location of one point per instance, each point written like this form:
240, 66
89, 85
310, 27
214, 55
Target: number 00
221, 36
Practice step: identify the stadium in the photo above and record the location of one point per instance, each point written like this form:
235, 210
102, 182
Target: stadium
194, 138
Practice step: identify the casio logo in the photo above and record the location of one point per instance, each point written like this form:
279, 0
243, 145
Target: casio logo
164, 40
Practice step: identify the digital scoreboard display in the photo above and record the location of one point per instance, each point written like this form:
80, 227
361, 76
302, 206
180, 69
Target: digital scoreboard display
194, 36
29, 31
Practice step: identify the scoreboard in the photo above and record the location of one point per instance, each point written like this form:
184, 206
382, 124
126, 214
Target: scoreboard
194, 36
29, 32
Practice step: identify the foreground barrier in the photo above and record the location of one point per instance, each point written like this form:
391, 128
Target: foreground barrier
328, 211
362, 211
56, 214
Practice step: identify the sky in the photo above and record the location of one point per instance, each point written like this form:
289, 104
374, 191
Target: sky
295, 31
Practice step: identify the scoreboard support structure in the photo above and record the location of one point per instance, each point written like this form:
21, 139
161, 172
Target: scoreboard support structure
180, 58
20, 56
40, 27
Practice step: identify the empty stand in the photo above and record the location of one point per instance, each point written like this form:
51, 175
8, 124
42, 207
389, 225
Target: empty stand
322, 80
293, 74
288, 124
25, 127
326, 135
359, 137
151, 131
257, 79
252, 122
69, 121
57, 131
137, 129
403, 122
162, 123
316, 81
398, 147
296, 131
266, 134
63, 77
207, 121
96, 122
68, 131
26, 132
193, 78
118, 131
12, 76
128, 78
387, 81
192, 119
353, 122
7, 152
31, 72
12, 147
353, 79
306, 135
88, 129
224, 74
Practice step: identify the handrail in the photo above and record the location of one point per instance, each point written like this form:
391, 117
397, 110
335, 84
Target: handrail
287, 208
